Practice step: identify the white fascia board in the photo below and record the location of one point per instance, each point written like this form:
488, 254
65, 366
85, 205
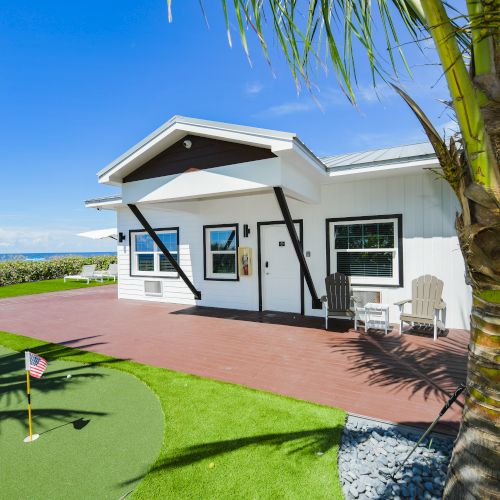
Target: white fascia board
104, 203
354, 173
217, 181
178, 127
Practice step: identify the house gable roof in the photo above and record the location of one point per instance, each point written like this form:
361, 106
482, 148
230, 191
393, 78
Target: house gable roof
279, 143
197, 153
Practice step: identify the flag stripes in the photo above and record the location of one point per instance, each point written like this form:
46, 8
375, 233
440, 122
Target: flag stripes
35, 364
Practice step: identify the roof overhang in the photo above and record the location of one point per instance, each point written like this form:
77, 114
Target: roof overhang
282, 144
100, 234
104, 203
383, 170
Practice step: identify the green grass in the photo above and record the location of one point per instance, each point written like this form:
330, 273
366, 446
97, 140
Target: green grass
221, 440
45, 286
87, 431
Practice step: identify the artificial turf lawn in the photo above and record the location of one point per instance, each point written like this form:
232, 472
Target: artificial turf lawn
87, 433
223, 440
45, 286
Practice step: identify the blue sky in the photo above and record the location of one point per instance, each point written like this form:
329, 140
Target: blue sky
80, 82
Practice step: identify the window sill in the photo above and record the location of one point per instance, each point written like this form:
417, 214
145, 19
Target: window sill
162, 276
377, 285
207, 278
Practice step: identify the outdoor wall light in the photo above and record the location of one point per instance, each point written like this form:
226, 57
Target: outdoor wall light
246, 230
121, 237
187, 144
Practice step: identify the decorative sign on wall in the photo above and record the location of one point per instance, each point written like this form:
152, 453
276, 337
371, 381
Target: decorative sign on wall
245, 261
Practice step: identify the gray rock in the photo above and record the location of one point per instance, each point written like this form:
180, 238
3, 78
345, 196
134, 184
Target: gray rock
353, 491
364, 470
369, 450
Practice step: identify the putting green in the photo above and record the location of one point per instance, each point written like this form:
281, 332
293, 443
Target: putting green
99, 429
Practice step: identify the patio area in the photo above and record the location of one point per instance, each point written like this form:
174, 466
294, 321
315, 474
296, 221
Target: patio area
401, 379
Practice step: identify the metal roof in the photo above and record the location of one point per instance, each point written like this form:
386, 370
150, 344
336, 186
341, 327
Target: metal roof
376, 157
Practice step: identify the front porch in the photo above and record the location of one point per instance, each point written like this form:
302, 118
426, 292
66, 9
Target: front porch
401, 379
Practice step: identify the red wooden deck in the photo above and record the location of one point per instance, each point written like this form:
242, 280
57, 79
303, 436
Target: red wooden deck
402, 379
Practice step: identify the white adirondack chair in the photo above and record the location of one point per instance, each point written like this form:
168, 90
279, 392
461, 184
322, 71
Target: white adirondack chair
111, 272
427, 305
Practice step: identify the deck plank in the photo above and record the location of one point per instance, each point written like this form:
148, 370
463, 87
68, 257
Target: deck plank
401, 379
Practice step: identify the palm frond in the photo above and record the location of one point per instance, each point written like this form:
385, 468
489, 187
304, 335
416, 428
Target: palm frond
330, 33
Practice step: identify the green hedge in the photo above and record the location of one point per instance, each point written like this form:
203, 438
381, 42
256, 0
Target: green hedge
21, 271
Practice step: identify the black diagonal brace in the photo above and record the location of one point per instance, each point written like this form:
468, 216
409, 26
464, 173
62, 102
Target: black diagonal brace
280, 196
164, 250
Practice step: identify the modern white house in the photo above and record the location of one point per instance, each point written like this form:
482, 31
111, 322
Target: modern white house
205, 212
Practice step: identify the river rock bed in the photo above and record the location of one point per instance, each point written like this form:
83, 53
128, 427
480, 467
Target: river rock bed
370, 448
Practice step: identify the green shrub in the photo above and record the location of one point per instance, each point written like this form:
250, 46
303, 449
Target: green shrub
20, 271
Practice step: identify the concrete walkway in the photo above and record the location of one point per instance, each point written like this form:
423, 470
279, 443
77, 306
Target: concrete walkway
401, 379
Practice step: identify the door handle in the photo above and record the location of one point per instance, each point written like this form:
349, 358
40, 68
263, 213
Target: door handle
267, 264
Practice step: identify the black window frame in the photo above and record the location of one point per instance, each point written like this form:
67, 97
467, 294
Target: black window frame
215, 226
364, 219
132, 252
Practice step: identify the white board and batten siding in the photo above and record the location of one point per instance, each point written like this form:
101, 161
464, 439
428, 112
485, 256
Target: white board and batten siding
430, 245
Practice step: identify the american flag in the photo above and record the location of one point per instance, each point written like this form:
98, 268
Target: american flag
35, 364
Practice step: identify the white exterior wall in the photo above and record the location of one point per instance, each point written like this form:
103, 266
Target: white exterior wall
430, 245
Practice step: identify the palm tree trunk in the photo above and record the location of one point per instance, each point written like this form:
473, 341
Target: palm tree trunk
474, 471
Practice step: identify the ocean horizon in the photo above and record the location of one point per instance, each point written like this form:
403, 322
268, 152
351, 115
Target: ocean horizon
41, 256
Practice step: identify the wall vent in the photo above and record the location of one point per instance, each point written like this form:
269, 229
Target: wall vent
366, 296
152, 288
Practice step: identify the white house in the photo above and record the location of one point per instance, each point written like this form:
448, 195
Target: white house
218, 196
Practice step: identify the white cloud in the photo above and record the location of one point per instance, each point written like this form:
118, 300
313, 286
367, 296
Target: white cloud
373, 140
287, 108
371, 94
36, 239
253, 88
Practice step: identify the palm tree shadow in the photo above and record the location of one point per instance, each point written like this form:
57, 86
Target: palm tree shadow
307, 441
47, 416
13, 383
401, 366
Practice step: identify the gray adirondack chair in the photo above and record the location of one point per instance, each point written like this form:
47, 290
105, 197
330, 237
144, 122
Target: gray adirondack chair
339, 300
427, 305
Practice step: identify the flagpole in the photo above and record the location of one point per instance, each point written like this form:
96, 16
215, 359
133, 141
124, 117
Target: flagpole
27, 366
29, 404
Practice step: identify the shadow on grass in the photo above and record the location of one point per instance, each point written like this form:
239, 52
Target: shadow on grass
47, 416
13, 383
307, 441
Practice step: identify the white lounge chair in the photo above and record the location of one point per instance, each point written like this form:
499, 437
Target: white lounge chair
110, 272
427, 305
87, 274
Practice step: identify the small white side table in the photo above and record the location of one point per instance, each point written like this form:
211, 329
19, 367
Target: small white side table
376, 316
